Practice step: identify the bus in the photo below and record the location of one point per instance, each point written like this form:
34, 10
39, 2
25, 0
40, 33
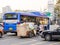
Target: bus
12, 19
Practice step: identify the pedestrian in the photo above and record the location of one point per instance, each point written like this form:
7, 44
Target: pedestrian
41, 28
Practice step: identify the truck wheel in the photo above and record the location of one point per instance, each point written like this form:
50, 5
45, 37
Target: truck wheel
16, 33
48, 37
30, 35
5, 32
0, 35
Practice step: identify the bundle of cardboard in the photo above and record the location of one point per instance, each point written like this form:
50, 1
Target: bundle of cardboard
22, 29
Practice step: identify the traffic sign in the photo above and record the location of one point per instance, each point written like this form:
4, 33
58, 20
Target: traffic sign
48, 13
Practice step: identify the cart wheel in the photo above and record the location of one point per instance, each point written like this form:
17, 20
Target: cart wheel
19, 37
16, 33
5, 32
0, 35
30, 35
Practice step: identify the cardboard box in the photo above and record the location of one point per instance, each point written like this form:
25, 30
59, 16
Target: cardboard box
22, 29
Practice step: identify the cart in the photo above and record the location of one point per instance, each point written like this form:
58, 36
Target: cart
25, 30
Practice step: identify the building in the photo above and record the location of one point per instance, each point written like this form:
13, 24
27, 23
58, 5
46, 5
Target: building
51, 8
1, 17
6, 9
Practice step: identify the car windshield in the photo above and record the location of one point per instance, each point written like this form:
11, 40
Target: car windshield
10, 16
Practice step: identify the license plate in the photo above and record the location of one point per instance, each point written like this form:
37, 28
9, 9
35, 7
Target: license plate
10, 28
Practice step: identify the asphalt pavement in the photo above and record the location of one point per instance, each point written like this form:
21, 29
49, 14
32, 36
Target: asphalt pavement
11, 39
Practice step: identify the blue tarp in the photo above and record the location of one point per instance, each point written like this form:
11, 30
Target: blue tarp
28, 14
38, 14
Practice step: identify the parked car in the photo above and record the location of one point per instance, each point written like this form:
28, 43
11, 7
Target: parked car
1, 31
50, 35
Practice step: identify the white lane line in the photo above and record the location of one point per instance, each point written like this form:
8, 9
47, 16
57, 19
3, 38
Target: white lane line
24, 42
38, 43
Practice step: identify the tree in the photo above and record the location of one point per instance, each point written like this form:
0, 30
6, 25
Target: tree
57, 8
58, 1
57, 11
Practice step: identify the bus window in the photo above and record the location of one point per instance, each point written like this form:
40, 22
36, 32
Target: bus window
10, 16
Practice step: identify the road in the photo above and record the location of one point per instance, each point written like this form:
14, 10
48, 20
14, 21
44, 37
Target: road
9, 39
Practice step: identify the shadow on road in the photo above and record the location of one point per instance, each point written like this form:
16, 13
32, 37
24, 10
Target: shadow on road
54, 40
